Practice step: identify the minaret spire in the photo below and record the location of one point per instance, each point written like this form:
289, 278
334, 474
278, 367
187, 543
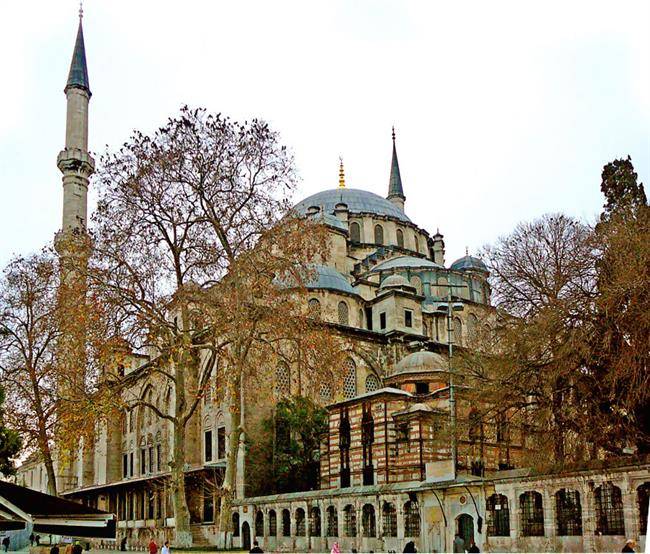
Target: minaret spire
395, 190
341, 174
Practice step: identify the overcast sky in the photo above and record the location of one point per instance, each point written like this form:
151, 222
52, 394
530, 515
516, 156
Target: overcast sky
504, 110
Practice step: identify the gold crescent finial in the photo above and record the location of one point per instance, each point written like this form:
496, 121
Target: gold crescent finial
341, 174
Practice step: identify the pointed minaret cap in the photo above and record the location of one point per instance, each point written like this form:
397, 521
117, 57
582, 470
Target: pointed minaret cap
78, 75
395, 190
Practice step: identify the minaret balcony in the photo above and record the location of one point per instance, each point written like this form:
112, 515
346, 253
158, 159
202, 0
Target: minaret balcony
75, 160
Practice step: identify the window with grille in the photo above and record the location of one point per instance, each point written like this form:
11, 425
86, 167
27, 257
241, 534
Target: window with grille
235, 524
314, 308
609, 510
400, 238
379, 234
325, 392
350, 521
568, 513
300, 522
350, 381
344, 314
531, 510
642, 496
259, 524
411, 519
314, 522
389, 515
332, 522
273, 523
368, 522
355, 232
372, 383
498, 516
282, 380
286, 523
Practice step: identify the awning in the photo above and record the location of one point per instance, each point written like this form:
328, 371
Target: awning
51, 515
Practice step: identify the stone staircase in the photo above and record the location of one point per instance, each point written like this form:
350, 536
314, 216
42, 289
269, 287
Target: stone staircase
198, 538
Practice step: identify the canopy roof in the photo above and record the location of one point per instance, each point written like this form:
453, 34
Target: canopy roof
50, 514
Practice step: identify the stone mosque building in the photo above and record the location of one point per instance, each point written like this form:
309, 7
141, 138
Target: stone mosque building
386, 470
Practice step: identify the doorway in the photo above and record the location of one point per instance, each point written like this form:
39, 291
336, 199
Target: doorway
465, 528
245, 536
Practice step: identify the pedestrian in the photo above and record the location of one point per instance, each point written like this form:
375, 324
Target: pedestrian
335, 549
472, 546
459, 544
68, 548
54, 549
5, 543
37, 538
410, 547
123, 544
165, 548
629, 546
256, 547
31, 539
153, 547
76, 549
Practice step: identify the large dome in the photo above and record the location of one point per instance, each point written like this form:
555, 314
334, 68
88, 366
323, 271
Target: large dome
358, 201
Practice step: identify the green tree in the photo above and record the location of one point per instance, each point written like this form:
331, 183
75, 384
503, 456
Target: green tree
10, 443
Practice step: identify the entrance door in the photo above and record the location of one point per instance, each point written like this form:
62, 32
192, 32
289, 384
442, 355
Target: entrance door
465, 526
245, 536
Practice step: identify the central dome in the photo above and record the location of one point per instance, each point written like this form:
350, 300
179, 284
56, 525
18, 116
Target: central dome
357, 201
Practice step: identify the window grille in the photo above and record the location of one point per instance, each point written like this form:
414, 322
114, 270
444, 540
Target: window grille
332, 522
325, 392
350, 521
368, 522
568, 513
355, 232
532, 514
372, 383
286, 523
344, 314
400, 238
300, 522
643, 494
314, 522
259, 524
609, 510
273, 524
379, 234
350, 382
498, 516
411, 520
389, 515
314, 308
235, 524
282, 380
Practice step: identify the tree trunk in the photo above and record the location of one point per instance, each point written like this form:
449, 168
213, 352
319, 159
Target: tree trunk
230, 478
181, 512
49, 468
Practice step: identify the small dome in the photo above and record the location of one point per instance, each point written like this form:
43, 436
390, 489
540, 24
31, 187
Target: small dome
419, 407
469, 263
329, 278
411, 262
393, 281
422, 361
329, 219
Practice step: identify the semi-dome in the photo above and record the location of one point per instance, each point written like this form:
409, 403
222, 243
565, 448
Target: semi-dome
469, 262
411, 262
394, 281
331, 220
357, 201
421, 362
328, 278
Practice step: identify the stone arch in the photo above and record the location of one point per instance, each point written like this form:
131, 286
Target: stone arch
355, 232
314, 308
349, 521
368, 521
400, 238
379, 234
350, 379
343, 313
373, 382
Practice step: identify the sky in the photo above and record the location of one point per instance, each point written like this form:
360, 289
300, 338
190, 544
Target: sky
504, 111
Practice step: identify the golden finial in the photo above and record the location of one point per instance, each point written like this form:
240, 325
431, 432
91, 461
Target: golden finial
341, 174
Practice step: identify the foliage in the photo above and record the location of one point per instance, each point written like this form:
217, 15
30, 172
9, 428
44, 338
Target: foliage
10, 442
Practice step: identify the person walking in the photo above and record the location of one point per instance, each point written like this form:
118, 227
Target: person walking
31, 539
153, 547
123, 544
256, 547
410, 547
54, 549
472, 546
335, 549
5, 543
459, 544
37, 538
166, 549
77, 549
629, 546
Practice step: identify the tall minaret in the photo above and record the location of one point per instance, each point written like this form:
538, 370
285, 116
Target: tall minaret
74, 161
395, 191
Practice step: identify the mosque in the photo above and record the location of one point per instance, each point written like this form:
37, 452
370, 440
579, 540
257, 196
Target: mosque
390, 471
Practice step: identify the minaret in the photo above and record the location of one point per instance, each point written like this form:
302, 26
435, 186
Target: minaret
395, 191
74, 161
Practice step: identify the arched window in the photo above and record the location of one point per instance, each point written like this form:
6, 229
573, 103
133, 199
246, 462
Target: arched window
300, 522
325, 393
235, 524
361, 320
350, 381
568, 513
344, 313
389, 515
609, 510
442, 287
417, 243
642, 496
286, 523
259, 524
314, 308
355, 232
411, 520
350, 521
400, 238
379, 234
498, 516
372, 383
458, 332
282, 380
273, 524
332, 522
531, 510
368, 523
314, 522
416, 283
472, 327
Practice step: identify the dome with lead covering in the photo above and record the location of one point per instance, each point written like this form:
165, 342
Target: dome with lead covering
357, 201
421, 362
328, 278
468, 263
411, 262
